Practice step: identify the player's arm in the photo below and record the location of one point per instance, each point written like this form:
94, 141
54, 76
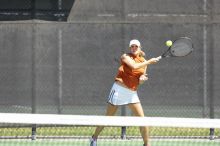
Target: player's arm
143, 77
133, 65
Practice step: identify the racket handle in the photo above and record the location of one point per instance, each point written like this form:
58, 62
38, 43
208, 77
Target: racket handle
159, 57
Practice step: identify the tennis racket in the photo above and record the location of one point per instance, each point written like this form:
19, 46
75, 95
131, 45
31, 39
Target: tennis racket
180, 47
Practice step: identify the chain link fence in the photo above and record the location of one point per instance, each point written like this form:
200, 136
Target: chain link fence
69, 67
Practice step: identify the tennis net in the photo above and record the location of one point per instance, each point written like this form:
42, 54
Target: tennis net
76, 130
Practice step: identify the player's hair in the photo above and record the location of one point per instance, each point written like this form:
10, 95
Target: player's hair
142, 53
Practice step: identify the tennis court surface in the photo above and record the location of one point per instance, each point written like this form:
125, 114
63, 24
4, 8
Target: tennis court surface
154, 142
76, 130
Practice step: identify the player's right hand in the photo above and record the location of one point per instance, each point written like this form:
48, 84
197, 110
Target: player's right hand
153, 60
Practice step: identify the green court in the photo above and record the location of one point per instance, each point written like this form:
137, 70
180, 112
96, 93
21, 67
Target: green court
110, 136
85, 142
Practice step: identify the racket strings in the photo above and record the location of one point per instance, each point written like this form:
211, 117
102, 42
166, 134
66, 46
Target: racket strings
181, 47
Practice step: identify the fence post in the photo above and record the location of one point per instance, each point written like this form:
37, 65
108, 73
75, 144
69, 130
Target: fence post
33, 100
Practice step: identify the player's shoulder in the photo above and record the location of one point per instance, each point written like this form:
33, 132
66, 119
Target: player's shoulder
125, 55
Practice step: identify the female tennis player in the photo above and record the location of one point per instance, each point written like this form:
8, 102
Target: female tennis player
131, 73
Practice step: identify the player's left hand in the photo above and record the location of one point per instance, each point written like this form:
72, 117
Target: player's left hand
143, 78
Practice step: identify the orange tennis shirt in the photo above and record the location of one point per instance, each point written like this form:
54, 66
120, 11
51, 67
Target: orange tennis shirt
130, 77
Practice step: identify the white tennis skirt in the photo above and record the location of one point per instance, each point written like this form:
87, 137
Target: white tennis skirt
120, 95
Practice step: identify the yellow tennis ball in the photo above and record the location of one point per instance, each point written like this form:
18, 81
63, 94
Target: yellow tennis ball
169, 43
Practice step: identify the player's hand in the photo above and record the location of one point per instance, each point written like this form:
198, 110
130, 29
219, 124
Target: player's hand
153, 60
143, 78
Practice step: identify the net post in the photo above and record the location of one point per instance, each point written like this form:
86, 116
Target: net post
33, 132
212, 134
123, 128
212, 130
123, 132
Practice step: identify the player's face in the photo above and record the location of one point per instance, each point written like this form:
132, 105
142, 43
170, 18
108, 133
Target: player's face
135, 49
